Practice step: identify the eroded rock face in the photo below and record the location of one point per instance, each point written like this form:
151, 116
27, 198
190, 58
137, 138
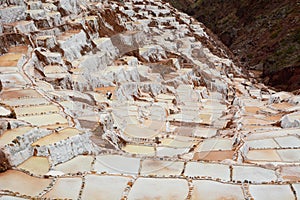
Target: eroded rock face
4, 164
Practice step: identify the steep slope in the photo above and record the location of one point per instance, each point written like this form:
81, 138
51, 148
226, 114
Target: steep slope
263, 34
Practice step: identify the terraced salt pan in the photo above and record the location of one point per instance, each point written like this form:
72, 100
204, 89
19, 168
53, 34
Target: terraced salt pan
161, 168
147, 98
99, 97
209, 114
115, 164
190, 117
176, 143
213, 105
26, 102
12, 80
291, 173
90, 121
170, 152
190, 106
289, 155
254, 128
281, 106
24, 184
45, 86
9, 70
211, 190
63, 93
10, 59
263, 155
104, 90
214, 155
77, 164
67, 34
206, 118
165, 97
204, 132
214, 144
184, 91
294, 108
127, 120
273, 118
181, 130
255, 121
17, 94
56, 126
10, 135
207, 169
154, 124
141, 131
252, 109
43, 120
248, 101
254, 174
56, 137
289, 141
263, 143
65, 188
139, 149
158, 112
104, 187
150, 188
264, 134
219, 123
36, 165
123, 112
274, 192
68, 104
36, 110
54, 70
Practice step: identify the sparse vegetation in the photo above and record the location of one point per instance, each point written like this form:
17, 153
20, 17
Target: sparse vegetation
263, 31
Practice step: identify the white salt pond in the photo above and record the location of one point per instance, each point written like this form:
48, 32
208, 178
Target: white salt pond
211, 190
24, 184
115, 164
151, 188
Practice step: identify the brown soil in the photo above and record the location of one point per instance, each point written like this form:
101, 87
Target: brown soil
264, 35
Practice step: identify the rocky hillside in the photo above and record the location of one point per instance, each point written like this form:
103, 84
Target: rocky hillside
265, 35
